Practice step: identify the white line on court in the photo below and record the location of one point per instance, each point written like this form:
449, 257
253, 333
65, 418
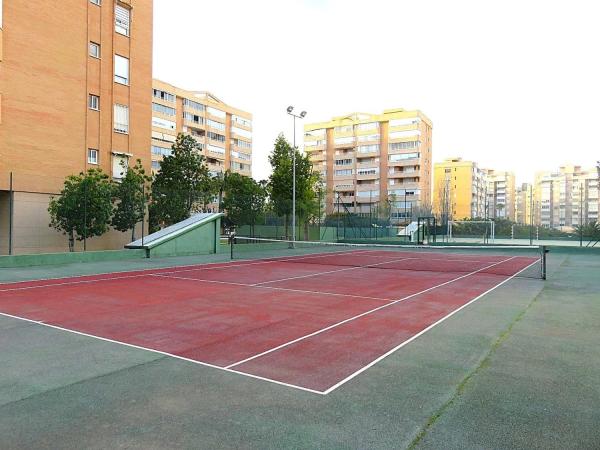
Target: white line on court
304, 291
228, 369
331, 271
408, 341
358, 316
38, 322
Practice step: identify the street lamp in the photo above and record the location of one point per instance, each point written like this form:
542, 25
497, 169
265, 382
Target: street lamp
302, 115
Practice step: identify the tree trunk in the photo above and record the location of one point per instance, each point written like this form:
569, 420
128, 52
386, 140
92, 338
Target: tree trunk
133, 234
286, 226
71, 241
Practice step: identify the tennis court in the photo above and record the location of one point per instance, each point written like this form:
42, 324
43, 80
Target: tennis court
311, 317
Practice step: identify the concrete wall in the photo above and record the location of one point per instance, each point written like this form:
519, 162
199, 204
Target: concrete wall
32, 233
199, 241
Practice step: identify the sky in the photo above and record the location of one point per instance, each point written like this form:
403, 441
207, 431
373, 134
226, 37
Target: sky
512, 85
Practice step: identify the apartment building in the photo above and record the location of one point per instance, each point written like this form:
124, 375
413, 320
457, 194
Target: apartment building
500, 194
223, 132
567, 197
459, 190
75, 93
524, 204
366, 160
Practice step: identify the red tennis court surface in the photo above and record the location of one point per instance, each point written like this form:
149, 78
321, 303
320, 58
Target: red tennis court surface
300, 322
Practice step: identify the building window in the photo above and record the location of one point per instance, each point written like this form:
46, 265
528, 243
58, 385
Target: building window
163, 95
192, 104
121, 119
95, 2
162, 123
156, 165
121, 20
166, 110
120, 165
216, 112
94, 50
215, 124
193, 118
215, 136
241, 132
94, 102
92, 156
121, 70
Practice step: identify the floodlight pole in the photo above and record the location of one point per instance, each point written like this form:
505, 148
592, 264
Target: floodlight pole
290, 110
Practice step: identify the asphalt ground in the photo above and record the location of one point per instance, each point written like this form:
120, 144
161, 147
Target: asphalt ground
517, 369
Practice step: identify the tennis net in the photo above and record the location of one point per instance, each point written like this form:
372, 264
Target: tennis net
520, 261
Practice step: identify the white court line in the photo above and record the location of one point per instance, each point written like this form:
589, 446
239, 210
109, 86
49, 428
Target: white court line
147, 272
358, 316
303, 291
139, 347
331, 271
408, 341
227, 369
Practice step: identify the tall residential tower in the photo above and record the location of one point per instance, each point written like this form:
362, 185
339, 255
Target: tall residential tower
223, 132
366, 160
75, 93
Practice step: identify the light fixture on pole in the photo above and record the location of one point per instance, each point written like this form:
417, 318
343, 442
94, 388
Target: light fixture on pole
302, 115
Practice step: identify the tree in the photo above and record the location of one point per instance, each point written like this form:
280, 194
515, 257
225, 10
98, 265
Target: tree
131, 197
84, 206
281, 182
244, 200
182, 186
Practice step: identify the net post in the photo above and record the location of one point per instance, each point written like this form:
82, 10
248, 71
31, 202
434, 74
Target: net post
544, 250
231, 245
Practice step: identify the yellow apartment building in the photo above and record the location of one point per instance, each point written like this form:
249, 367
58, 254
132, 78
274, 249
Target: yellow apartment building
223, 132
459, 189
75, 93
367, 159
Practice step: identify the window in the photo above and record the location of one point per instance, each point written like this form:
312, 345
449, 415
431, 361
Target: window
94, 102
120, 165
343, 172
94, 50
216, 112
215, 149
168, 111
240, 155
344, 140
162, 123
368, 137
95, 2
368, 148
193, 118
402, 157
241, 144
343, 129
402, 134
216, 125
369, 126
192, 104
404, 145
215, 136
241, 132
162, 151
121, 70
343, 162
92, 156
121, 119
241, 121
121, 20
163, 95
156, 165
368, 171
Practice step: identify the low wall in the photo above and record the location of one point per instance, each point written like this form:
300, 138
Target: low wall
46, 259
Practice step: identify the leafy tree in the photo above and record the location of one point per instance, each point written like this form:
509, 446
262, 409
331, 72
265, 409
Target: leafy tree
183, 185
84, 206
131, 197
244, 199
281, 182
590, 230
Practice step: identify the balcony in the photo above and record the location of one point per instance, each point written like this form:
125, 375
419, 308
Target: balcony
367, 176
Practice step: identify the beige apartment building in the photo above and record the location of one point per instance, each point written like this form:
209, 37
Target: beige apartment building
459, 190
567, 197
75, 93
500, 194
223, 132
366, 160
524, 204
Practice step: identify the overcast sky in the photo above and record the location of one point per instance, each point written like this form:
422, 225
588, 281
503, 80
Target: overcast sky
511, 84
